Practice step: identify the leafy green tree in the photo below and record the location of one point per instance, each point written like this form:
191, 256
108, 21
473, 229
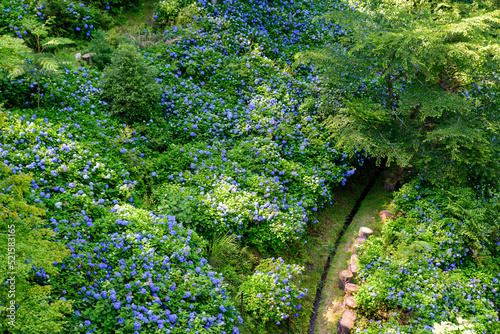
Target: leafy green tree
412, 83
26, 248
130, 85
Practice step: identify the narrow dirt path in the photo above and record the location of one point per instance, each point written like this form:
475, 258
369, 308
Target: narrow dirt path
330, 300
332, 256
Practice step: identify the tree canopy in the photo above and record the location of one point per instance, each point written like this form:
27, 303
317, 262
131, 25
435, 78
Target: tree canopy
415, 83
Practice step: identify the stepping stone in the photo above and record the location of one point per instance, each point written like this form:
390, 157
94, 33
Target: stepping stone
353, 269
344, 326
348, 314
350, 303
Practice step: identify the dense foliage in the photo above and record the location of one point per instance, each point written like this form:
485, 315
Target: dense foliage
133, 270
187, 147
415, 83
29, 253
271, 294
436, 262
230, 145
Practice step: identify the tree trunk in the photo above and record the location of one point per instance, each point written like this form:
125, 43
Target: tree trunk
344, 326
350, 303
348, 314
351, 289
345, 276
385, 214
353, 269
365, 232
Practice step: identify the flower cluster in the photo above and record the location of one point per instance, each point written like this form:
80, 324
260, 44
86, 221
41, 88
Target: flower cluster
271, 293
145, 273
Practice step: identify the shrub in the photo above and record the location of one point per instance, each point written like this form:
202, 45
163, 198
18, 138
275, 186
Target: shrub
146, 272
130, 86
434, 263
167, 10
101, 48
171, 201
270, 295
76, 21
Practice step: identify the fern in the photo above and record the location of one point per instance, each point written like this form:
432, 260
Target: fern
42, 61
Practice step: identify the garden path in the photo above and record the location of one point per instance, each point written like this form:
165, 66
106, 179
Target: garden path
328, 303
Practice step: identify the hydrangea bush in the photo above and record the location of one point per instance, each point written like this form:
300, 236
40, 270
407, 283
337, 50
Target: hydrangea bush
147, 273
431, 265
271, 293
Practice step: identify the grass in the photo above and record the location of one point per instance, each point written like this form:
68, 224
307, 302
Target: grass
140, 15
330, 307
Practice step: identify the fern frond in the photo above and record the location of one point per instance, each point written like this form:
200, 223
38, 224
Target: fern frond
57, 41
48, 63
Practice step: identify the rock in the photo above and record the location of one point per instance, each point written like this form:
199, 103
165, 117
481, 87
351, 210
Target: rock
365, 232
